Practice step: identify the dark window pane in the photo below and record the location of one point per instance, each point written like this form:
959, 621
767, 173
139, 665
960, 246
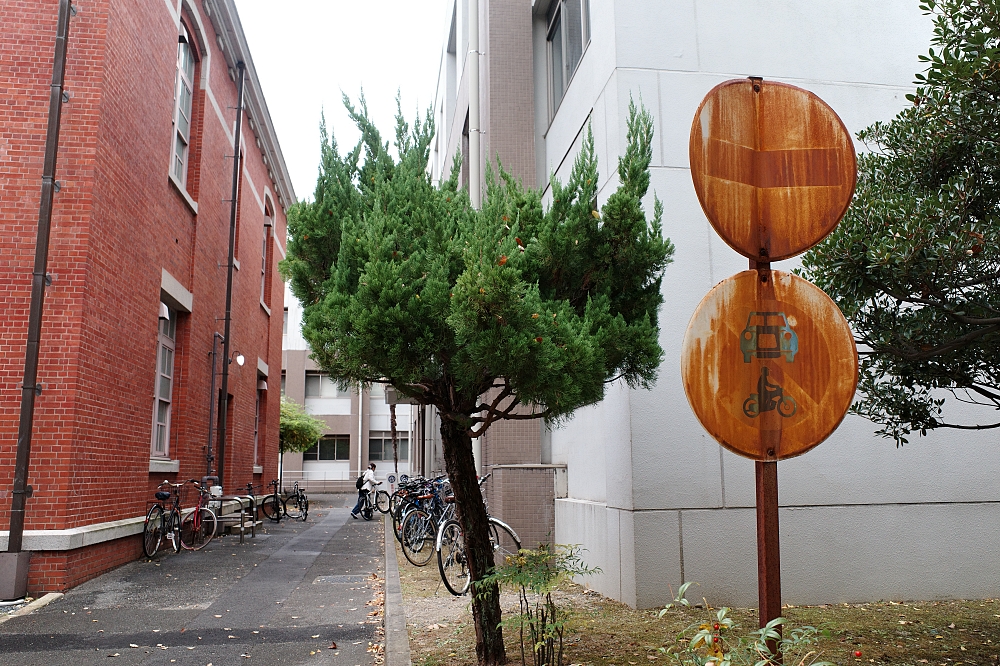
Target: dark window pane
327, 449
556, 58
573, 30
343, 448
310, 453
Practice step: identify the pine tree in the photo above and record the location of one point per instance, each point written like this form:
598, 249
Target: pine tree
509, 312
915, 263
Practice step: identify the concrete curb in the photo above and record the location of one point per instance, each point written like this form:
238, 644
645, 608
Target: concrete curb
397, 641
52, 596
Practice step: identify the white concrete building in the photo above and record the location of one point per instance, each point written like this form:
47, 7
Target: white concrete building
653, 499
358, 431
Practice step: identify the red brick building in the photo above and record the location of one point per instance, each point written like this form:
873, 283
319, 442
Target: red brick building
140, 229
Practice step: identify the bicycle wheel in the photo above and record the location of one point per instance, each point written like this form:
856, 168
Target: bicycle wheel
270, 508
152, 531
418, 537
382, 501
303, 507
173, 529
504, 540
398, 514
452, 562
198, 528
292, 509
367, 510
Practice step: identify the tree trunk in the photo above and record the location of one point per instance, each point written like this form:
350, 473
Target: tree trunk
475, 527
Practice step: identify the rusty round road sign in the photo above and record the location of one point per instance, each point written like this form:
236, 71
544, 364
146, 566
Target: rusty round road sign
769, 364
773, 166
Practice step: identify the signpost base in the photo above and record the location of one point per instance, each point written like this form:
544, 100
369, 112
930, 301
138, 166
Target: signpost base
768, 547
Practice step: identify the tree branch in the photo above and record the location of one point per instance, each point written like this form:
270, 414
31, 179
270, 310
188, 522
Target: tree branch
955, 426
941, 349
473, 432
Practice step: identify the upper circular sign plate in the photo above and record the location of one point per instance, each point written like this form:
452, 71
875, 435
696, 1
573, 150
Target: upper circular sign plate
769, 364
773, 166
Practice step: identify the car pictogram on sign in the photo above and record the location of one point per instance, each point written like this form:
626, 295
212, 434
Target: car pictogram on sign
768, 335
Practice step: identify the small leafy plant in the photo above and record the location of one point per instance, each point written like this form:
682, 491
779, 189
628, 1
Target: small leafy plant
534, 575
718, 642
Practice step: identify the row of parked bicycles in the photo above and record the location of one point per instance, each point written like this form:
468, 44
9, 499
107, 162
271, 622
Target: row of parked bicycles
194, 527
425, 524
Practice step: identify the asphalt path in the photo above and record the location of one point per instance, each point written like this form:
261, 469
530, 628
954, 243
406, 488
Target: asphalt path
282, 598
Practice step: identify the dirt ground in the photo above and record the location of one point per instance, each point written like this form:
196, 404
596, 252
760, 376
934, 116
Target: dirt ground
603, 632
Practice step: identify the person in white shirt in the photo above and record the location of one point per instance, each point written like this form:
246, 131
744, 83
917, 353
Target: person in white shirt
367, 486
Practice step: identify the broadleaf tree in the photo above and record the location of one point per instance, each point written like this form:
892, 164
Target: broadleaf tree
915, 263
507, 312
297, 430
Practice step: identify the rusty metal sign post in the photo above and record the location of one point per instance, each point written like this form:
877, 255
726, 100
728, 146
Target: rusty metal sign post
768, 361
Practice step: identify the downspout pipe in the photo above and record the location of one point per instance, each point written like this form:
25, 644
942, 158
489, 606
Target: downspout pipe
475, 129
30, 387
213, 403
226, 337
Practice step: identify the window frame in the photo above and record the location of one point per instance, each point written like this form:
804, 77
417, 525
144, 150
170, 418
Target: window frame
166, 339
384, 439
312, 454
266, 258
258, 410
322, 375
180, 162
555, 22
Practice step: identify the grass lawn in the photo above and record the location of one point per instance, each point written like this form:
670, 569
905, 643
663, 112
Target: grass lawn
603, 632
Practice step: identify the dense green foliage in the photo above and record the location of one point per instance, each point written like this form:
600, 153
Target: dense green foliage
508, 312
915, 263
298, 430
404, 282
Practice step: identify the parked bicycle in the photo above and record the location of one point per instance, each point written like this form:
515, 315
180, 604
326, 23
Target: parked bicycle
193, 532
453, 563
198, 525
296, 503
270, 504
162, 522
419, 526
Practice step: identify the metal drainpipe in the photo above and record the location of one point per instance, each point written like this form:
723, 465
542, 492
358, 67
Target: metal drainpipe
224, 402
29, 387
361, 424
475, 158
213, 403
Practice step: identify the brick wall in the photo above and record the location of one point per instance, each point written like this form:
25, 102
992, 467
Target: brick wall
117, 222
508, 88
59, 571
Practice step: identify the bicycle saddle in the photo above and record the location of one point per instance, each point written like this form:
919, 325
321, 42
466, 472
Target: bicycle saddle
162, 495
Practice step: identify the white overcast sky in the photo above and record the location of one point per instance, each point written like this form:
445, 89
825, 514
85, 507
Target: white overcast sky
307, 51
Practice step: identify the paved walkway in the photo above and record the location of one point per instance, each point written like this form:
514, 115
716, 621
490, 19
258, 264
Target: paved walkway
282, 598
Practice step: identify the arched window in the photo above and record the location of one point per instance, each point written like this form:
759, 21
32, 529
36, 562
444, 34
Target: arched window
266, 254
163, 388
183, 103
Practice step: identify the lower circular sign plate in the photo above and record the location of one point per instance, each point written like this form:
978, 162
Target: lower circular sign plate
769, 364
